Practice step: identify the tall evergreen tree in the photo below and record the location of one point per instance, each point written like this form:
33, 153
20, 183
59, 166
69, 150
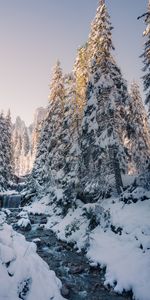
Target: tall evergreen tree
49, 159
81, 79
39, 176
5, 151
26, 143
56, 149
8, 146
2, 155
104, 122
89, 139
138, 132
100, 37
70, 133
146, 57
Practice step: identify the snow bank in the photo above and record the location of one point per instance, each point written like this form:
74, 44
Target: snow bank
24, 223
23, 274
44, 206
127, 267
72, 228
38, 207
126, 256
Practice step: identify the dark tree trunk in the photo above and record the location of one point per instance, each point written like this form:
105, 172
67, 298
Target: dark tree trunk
116, 168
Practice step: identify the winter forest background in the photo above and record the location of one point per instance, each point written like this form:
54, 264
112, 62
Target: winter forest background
94, 124
86, 159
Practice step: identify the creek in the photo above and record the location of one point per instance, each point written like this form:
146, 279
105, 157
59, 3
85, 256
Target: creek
80, 280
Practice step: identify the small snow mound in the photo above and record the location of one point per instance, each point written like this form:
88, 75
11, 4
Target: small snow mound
23, 214
24, 224
6, 211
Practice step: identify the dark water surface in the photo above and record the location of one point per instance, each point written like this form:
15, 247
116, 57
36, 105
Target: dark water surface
10, 201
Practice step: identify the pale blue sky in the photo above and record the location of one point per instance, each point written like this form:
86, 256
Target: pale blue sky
34, 33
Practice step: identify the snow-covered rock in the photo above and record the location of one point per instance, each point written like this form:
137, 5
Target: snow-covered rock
24, 224
23, 214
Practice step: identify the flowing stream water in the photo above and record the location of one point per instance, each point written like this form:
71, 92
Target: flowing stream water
80, 281
10, 201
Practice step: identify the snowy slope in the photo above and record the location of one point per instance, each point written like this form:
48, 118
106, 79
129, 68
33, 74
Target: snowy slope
126, 255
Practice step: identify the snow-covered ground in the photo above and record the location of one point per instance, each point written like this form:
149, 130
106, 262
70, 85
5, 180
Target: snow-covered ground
23, 274
126, 255
116, 236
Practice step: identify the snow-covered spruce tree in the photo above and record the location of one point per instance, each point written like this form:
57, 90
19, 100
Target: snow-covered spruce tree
2, 155
26, 143
55, 146
75, 99
64, 153
72, 121
36, 128
146, 58
75, 85
69, 142
39, 176
56, 165
5, 152
100, 37
48, 167
16, 140
8, 147
80, 70
104, 123
138, 132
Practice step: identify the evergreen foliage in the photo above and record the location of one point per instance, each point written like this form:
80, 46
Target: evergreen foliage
6, 167
49, 159
146, 58
90, 138
138, 132
81, 79
104, 122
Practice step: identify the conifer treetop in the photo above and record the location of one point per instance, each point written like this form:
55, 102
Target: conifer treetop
135, 91
146, 56
101, 2
100, 38
56, 85
148, 6
147, 20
